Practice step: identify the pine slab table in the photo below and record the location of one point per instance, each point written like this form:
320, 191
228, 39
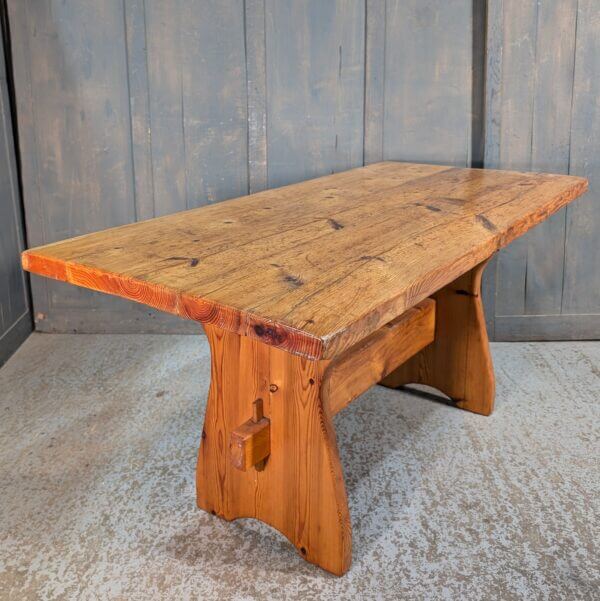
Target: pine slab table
310, 294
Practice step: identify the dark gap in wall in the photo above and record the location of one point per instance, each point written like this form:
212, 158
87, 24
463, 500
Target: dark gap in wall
478, 134
478, 53
12, 100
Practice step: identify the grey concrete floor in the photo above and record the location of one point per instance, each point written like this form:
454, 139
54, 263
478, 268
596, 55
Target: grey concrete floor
98, 442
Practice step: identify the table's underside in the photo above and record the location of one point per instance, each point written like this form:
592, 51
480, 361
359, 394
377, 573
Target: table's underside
314, 267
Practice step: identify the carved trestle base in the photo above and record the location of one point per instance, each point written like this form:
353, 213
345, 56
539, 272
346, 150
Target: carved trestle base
268, 448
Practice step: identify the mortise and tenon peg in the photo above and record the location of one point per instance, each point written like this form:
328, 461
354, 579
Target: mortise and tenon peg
250, 443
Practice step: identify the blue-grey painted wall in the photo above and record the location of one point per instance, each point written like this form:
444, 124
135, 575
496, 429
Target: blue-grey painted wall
544, 115
129, 109
15, 315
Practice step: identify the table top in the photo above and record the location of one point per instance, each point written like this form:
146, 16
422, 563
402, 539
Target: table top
316, 266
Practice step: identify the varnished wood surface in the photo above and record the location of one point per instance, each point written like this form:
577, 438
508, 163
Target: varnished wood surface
250, 443
315, 267
458, 362
369, 361
300, 491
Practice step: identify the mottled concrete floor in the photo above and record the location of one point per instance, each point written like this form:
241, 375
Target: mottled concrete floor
98, 440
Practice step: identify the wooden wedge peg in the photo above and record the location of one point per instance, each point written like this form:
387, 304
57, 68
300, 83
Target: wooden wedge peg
250, 443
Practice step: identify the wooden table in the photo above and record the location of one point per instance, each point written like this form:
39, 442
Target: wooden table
310, 294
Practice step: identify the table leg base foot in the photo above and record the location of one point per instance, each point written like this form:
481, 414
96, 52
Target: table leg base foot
458, 363
300, 490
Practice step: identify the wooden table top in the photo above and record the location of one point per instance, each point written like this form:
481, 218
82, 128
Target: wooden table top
316, 266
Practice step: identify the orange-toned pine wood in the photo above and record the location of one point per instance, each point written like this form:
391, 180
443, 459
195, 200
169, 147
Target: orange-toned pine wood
458, 362
300, 491
367, 362
286, 281
315, 267
250, 443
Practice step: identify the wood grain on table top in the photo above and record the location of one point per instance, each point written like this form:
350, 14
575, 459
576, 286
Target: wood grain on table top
316, 266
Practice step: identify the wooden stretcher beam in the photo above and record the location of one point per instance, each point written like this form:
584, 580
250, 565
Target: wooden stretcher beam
368, 362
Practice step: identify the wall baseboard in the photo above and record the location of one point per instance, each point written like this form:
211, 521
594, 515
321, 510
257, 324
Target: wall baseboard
547, 327
12, 339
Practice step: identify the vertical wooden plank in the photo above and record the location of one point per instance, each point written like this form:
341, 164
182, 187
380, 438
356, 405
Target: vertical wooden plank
315, 88
139, 99
15, 317
514, 145
550, 149
488, 296
581, 293
374, 80
491, 142
428, 74
215, 115
256, 69
20, 22
493, 81
166, 102
73, 106
519, 54
12, 283
198, 102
